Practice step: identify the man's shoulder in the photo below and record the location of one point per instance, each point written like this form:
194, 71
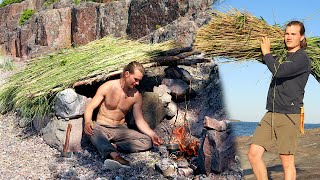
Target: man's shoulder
302, 54
108, 85
136, 94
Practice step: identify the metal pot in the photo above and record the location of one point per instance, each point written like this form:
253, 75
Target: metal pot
172, 148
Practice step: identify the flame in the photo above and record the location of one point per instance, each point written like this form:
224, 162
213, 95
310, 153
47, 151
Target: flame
180, 133
190, 148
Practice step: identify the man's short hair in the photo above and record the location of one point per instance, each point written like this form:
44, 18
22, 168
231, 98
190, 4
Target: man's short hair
132, 66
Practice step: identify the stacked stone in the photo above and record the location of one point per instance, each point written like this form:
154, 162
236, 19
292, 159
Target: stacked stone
217, 154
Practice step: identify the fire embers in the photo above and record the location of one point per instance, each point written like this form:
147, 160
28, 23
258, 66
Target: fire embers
187, 146
178, 157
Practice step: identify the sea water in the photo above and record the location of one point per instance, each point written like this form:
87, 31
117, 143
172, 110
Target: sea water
248, 128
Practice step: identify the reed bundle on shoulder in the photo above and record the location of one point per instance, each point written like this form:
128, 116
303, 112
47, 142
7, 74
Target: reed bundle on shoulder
236, 35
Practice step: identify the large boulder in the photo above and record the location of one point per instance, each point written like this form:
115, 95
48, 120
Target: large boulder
152, 108
9, 25
54, 134
182, 31
180, 90
63, 23
69, 104
114, 19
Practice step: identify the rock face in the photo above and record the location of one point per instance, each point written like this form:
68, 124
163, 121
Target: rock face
181, 30
10, 32
54, 28
146, 16
65, 24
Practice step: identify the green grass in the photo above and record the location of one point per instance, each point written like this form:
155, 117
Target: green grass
76, 2
6, 63
25, 16
47, 3
7, 2
33, 89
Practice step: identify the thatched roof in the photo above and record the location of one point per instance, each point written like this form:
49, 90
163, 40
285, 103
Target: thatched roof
33, 89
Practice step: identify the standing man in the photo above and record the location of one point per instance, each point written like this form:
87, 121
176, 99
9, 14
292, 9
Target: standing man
109, 134
285, 98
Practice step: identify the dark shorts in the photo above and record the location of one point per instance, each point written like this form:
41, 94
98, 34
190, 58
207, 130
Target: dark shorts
127, 140
278, 129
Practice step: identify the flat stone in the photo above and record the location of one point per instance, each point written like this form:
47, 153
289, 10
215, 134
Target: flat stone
211, 123
185, 171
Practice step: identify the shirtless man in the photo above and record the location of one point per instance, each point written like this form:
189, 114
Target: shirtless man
109, 133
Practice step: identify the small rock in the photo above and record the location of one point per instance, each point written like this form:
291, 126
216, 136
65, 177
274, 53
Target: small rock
24, 122
167, 167
185, 171
118, 178
163, 151
211, 123
182, 163
172, 109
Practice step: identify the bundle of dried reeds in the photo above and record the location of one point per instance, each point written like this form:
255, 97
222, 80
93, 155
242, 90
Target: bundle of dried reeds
236, 35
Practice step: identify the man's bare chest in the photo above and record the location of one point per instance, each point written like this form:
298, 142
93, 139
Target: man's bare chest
118, 101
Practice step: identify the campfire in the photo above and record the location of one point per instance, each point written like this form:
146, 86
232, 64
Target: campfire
181, 156
188, 147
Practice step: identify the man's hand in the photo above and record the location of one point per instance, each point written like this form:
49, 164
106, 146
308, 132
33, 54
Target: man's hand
265, 45
156, 139
88, 128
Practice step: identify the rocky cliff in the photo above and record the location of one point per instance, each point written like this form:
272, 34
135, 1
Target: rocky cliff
65, 24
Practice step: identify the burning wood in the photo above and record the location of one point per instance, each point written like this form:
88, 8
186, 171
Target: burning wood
186, 145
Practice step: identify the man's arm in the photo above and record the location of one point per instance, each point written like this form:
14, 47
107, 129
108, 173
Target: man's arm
142, 124
94, 103
297, 65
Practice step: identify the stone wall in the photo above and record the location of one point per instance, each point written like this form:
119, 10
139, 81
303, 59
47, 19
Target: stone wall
65, 24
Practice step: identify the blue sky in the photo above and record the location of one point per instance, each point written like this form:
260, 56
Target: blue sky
245, 85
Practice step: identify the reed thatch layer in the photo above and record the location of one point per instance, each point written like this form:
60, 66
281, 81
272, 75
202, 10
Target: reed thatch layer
237, 35
33, 89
